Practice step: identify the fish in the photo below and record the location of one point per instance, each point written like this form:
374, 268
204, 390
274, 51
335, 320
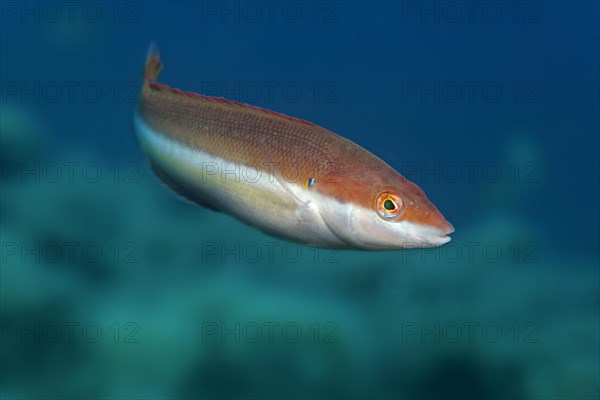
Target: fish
286, 176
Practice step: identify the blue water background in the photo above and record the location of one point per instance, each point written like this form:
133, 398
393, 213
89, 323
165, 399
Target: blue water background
361, 68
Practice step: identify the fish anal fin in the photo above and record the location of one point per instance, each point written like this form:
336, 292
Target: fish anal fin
180, 190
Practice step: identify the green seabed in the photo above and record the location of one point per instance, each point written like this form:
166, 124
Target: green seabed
192, 303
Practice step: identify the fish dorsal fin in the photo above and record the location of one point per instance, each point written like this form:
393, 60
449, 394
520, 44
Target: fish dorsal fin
153, 63
231, 104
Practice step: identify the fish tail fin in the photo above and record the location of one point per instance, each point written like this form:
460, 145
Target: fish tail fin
153, 63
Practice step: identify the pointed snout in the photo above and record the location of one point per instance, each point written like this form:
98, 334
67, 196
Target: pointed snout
420, 211
445, 227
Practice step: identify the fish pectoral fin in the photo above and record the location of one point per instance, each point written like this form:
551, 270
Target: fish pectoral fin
180, 190
301, 196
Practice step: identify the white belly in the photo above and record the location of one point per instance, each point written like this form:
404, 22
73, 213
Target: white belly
256, 197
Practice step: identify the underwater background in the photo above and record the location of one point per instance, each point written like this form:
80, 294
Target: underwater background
112, 287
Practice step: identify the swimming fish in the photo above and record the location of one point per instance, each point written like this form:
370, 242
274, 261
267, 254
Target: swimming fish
286, 176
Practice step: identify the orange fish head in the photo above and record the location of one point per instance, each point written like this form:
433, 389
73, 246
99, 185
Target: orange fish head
385, 212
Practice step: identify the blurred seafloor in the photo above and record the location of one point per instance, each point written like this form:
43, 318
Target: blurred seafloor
398, 321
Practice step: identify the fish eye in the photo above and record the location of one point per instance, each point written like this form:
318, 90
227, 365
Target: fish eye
389, 204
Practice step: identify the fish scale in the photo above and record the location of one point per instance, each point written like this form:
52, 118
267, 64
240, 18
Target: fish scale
305, 182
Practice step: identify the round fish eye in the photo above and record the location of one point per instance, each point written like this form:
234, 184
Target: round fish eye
389, 204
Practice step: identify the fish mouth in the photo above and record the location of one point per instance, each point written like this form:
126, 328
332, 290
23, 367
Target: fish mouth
431, 236
442, 240
445, 227
424, 236
411, 236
